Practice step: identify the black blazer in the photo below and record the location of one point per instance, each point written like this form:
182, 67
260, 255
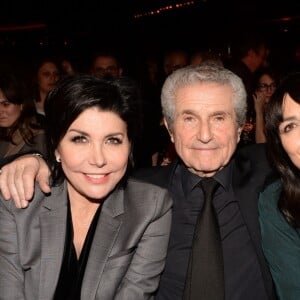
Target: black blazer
251, 170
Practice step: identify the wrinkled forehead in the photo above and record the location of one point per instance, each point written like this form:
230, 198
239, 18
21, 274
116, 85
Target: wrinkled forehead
204, 84
205, 92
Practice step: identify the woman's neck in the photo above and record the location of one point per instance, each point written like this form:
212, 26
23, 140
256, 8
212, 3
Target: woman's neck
40, 104
82, 212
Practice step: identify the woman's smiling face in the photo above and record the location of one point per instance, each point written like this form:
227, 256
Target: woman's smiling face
94, 154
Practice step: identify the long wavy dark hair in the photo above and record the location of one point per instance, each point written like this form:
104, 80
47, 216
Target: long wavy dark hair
73, 95
289, 201
14, 90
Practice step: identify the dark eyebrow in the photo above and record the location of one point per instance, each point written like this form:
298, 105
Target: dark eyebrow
78, 131
85, 133
290, 118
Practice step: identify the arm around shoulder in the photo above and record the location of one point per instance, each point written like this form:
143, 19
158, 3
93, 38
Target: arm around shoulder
18, 177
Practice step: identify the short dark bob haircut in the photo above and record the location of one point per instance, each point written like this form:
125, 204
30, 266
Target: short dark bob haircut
73, 95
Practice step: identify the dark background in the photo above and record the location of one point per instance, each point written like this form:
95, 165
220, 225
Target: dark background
29, 27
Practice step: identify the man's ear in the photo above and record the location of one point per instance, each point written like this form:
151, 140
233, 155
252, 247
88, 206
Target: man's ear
240, 129
169, 130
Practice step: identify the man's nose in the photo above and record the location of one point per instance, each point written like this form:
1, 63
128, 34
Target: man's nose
204, 133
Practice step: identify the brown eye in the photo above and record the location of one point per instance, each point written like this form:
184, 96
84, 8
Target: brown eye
287, 128
79, 139
114, 140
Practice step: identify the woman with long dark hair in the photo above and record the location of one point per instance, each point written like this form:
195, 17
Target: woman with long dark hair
279, 205
19, 129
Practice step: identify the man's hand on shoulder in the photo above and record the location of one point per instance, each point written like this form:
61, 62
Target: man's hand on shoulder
17, 179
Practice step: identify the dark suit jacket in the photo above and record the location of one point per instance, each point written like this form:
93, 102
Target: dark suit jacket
251, 169
126, 258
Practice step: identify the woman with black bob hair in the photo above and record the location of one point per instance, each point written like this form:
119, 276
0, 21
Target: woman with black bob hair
279, 205
99, 234
74, 96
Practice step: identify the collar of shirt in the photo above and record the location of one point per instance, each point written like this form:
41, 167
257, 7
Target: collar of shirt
190, 180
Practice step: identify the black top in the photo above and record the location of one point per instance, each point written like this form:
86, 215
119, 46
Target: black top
243, 279
72, 269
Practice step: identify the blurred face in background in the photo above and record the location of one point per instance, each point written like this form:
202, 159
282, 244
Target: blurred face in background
47, 76
106, 67
175, 60
266, 86
9, 112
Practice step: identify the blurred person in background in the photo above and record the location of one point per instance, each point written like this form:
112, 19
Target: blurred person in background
105, 64
205, 56
19, 129
46, 74
249, 53
267, 80
174, 59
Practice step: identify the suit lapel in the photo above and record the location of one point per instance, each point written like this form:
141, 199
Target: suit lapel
107, 229
246, 188
248, 180
53, 233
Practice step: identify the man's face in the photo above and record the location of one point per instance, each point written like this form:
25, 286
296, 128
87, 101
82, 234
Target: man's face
106, 67
205, 131
175, 61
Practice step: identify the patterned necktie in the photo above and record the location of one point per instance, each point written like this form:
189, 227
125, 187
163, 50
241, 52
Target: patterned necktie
205, 276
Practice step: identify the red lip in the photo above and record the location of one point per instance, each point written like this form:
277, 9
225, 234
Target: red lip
97, 180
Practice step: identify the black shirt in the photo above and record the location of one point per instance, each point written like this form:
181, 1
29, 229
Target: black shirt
72, 269
243, 279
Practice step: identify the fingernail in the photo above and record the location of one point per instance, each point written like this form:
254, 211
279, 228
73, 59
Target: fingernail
24, 204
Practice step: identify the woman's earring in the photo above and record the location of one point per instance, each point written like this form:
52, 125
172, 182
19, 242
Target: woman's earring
58, 159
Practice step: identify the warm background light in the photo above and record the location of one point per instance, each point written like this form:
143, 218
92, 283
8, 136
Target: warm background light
163, 9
